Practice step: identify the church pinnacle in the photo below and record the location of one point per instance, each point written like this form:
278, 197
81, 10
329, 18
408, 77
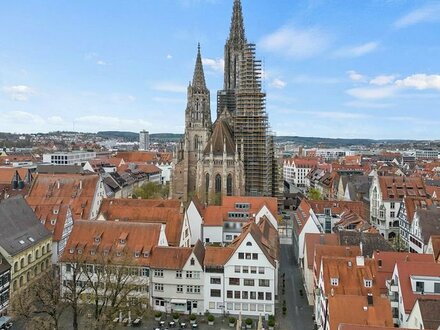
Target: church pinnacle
237, 35
199, 76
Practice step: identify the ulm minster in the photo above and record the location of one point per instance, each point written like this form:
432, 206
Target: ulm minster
236, 154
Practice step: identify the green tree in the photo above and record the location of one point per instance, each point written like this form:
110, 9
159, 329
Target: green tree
314, 194
152, 190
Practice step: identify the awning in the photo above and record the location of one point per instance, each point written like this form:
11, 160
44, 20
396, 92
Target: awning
178, 301
4, 320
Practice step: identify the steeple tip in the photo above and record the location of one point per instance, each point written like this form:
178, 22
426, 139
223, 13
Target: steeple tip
237, 34
199, 75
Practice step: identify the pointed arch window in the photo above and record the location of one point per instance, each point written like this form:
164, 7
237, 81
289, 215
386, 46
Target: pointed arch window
229, 185
207, 183
196, 142
218, 183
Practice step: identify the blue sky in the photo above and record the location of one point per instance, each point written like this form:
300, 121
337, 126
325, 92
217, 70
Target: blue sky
333, 68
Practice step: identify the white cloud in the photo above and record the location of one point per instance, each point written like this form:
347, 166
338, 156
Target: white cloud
382, 80
55, 120
356, 51
216, 65
93, 121
169, 87
367, 105
19, 92
101, 62
278, 83
372, 93
307, 79
15, 117
420, 82
169, 57
428, 13
296, 43
355, 76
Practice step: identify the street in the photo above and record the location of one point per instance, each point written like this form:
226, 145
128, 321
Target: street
299, 313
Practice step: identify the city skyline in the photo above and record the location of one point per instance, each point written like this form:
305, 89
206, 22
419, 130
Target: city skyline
86, 67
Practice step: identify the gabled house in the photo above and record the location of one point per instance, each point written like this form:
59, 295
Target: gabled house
425, 314
177, 281
426, 223
411, 281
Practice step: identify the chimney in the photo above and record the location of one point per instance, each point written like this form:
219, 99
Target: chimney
58, 184
361, 246
370, 299
80, 184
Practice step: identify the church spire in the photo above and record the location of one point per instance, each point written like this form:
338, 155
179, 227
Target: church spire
199, 76
236, 34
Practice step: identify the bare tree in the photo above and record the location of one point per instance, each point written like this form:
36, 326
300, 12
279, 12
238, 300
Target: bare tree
39, 305
74, 285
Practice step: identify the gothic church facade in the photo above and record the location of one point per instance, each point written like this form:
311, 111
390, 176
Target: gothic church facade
235, 155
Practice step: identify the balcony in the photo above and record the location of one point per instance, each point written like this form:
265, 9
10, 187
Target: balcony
391, 286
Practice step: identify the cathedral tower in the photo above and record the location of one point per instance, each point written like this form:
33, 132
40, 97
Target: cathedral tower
198, 126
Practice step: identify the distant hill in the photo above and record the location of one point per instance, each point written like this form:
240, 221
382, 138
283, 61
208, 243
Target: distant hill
307, 141
132, 136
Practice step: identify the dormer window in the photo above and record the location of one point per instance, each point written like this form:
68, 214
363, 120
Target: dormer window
118, 254
368, 283
137, 254
334, 281
92, 252
122, 241
146, 254
53, 222
55, 211
72, 250
97, 239
106, 252
80, 251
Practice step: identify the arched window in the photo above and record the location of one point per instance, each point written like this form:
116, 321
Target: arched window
22, 263
29, 258
206, 186
218, 183
48, 247
28, 276
249, 244
196, 142
229, 185
21, 280
16, 266
14, 285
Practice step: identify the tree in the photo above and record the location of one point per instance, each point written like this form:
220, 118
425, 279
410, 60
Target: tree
314, 194
40, 305
152, 190
74, 287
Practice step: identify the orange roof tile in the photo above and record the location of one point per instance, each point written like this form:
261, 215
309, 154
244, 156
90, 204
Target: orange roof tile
350, 276
407, 269
301, 215
395, 188
53, 218
436, 247
76, 190
313, 239
169, 257
356, 310
332, 251
7, 174
337, 207
386, 261
217, 256
166, 212
94, 241
213, 216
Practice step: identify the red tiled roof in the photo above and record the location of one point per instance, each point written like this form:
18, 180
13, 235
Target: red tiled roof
395, 188
350, 276
53, 218
76, 190
386, 261
313, 239
408, 269
139, 238
166, 212
356, 310
164, 257
337, 207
